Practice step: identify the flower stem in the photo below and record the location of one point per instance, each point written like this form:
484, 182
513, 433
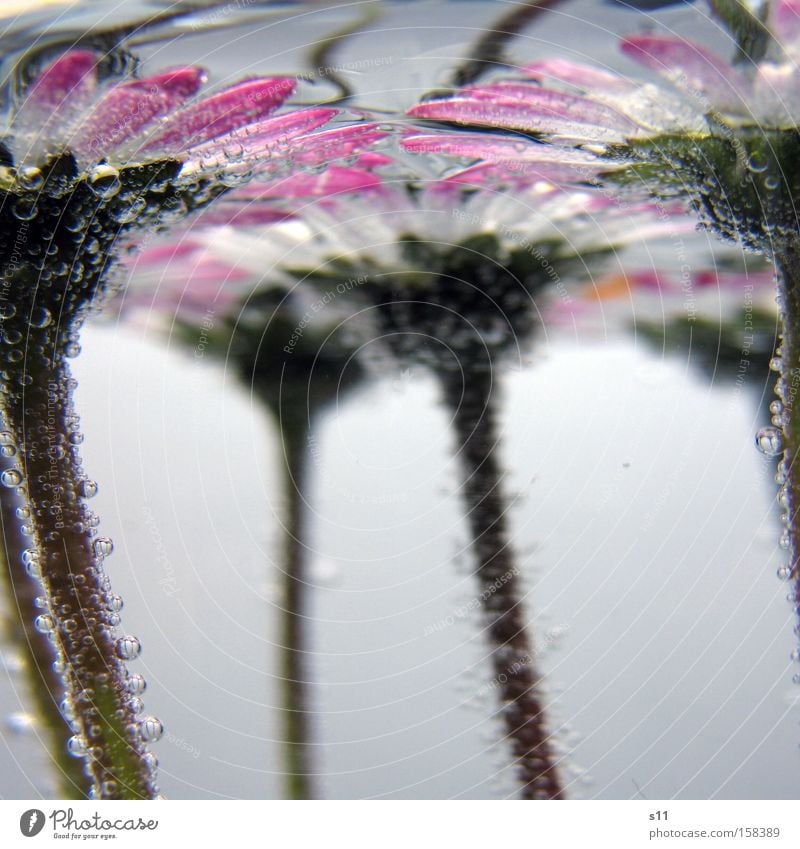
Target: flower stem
45, 687
472, 405
293, 625
488, 51
787, 267
80, 618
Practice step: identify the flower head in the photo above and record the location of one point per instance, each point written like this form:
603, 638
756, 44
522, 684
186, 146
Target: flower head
468, 259
88, 162
719, 132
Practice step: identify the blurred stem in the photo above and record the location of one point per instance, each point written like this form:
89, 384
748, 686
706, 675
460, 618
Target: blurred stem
489, 50
40, 414
471, 404
293, 626
45, 687
321, 56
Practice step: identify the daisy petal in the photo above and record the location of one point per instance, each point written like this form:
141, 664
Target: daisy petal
125, 109
272, 136
513, 115
71, 77
690, 67
54, 103
552, 102
242, 104
584, 77
785, 17
340, 143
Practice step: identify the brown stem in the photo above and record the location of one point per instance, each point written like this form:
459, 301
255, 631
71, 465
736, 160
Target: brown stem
516, 675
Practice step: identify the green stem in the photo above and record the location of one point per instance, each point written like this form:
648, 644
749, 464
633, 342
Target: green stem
787, 267
45, 687
293, 626
472, 406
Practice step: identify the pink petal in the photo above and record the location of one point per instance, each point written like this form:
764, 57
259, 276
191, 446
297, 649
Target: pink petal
495, 148
161, 254
785, 19
125, 109
272, 136
690, 67
333, 181
53, 104
242, 104
72, 76
370, 159
340, 143
492, 173
256, 215
511, 115
583, 77
552, 102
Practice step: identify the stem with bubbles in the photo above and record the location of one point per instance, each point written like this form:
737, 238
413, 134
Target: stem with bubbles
787, 266
472, 405
44, 685
66, 556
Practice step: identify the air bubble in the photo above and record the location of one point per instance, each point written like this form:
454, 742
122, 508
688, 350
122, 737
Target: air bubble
24, 209
40, 317
115, 602
44, 624
129, 214
785, 541
151, 729
136, 684
104, 181
76, 746
11, 478
29, 177
103, 546
128, 647
87, 488
784, 572
769, 441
